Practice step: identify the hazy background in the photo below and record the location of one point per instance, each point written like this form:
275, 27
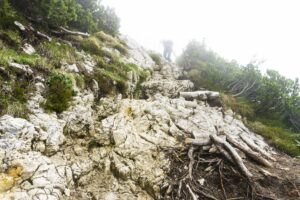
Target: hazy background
236, 29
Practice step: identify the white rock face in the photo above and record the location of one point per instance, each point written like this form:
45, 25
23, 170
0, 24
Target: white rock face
24, 69
51, 130
111, 149
70, 68
27, 48
164, 82
137, 54
200, 95
88, 64
79, 117
167, 88
16, 134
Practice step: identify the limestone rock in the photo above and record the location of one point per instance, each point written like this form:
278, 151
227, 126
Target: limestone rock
22, 69
200, 95
70, 68
28, 49
137, 54
167, 88
87, 65
78, 117
16, 134
51, 130
111, 148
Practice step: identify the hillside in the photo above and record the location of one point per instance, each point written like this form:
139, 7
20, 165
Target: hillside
96, 116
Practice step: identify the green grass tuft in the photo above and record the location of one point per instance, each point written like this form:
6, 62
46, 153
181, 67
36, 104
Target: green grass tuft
13, 97
55, 53
283, 139
238, 105
156, 58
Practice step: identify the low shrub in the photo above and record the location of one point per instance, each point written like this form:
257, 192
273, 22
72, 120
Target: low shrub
59, 93
7, 14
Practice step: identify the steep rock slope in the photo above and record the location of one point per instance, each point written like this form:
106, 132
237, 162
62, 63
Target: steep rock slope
118, 148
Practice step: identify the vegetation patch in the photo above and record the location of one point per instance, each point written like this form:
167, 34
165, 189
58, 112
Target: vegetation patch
270, 98
240, 106
93, 144
55, 53
11, 38
98, 43
283, 139
156, 58
13, 97
7, 14
59, 93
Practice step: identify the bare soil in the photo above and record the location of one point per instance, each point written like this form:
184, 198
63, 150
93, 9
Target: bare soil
214, 178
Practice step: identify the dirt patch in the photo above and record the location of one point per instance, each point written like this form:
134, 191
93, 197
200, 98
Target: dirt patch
215, 178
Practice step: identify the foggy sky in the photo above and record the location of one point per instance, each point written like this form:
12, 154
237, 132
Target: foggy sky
236, 29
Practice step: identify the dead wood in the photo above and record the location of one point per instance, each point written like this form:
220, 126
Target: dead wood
238, 160
194, 196
192, 161
198, 142
64, 31
249, 152
256, 148
29, 31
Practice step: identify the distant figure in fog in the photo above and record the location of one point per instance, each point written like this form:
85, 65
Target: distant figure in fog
168, 49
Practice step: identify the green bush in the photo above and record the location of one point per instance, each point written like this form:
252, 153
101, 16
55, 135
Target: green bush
59, 93
79, 80
107, 20
110, 82
78, 14
7, 14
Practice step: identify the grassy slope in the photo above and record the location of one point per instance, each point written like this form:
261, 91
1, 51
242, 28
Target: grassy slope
274, 131
110, 72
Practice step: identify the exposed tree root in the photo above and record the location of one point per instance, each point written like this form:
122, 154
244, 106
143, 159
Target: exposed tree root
233, 153
256, 148
255, 156
199, 174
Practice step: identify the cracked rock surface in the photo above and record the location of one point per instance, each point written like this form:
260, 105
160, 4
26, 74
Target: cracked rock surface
113, 149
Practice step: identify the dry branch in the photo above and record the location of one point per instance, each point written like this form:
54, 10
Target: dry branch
256, 148
31, 31
225, 154
194, 196
255, 156
65, 31
192, 161
238, 160
198, 142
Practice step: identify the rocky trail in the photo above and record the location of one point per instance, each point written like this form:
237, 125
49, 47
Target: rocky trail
175, 143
